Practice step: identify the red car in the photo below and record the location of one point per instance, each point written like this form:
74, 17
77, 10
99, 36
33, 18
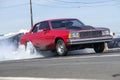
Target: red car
62, 35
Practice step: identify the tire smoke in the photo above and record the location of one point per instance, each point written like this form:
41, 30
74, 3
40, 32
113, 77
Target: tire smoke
9, 52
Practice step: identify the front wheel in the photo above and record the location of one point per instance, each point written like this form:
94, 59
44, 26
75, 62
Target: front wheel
99, 47
61, 48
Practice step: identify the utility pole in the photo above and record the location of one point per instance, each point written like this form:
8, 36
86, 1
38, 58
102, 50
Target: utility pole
31, 14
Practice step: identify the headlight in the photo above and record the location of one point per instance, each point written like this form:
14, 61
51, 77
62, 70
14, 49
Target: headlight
106, 32
74, 35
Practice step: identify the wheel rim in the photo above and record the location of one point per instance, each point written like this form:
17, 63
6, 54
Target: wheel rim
60, 47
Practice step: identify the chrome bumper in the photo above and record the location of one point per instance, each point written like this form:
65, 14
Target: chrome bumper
90, 40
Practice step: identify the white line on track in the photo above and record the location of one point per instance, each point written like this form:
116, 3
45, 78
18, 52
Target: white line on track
88, 56
30, 78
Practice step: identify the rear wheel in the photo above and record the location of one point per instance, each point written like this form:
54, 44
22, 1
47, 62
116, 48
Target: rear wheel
99, 47
61, 48
29, 48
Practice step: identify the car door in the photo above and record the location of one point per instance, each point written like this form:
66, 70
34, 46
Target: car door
44, 31
41, 36
34, 35
37, 36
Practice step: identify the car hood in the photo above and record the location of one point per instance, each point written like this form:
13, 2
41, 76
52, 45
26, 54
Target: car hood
80, 28
87, 28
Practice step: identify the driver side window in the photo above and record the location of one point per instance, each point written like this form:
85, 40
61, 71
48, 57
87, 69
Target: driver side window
35, 29
44, 25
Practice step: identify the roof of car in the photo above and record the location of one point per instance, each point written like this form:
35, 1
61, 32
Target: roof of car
57, 19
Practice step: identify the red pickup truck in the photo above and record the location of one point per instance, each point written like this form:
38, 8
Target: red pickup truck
63, 35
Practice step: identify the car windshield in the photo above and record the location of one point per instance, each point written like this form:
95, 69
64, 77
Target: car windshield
67, 24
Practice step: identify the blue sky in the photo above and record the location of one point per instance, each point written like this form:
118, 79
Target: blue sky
15, 14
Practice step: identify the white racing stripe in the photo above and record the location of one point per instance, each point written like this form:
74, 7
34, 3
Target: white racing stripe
31, 78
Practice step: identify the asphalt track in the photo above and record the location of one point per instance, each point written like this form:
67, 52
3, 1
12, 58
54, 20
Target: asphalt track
79, 66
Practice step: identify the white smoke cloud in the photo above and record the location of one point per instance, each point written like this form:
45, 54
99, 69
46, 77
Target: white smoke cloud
9, 52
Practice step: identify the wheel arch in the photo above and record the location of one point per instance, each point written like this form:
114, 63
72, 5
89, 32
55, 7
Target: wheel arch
64, 39
58, 39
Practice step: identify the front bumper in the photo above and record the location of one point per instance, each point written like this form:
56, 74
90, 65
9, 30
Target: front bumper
90, 40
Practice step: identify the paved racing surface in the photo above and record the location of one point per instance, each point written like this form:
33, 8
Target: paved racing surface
90, 66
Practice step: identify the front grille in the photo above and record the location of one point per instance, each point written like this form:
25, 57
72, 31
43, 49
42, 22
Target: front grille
90, 34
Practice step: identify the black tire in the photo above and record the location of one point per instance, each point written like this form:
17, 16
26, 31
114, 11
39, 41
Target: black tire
99, 47
61, 48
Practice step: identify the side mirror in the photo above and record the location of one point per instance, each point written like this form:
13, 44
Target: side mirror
45, 29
